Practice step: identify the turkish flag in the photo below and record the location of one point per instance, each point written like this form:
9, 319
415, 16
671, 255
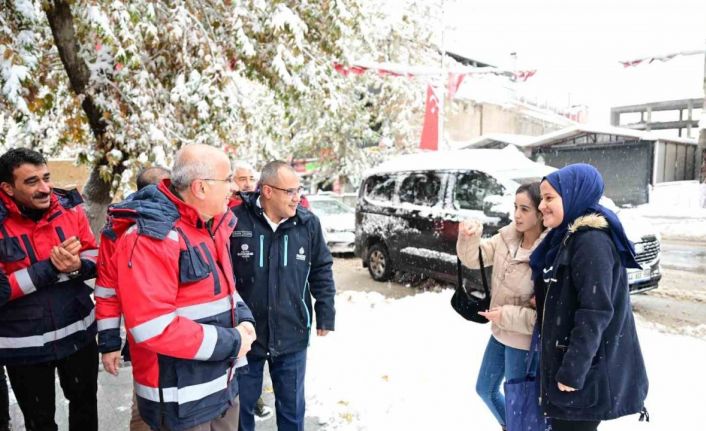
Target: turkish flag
455, 80
430, 132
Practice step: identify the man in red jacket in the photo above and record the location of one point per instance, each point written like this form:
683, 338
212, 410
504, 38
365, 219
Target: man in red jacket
47, 320
108, 310
187, 327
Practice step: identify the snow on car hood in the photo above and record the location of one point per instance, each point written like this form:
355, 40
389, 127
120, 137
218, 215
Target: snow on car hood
338, 222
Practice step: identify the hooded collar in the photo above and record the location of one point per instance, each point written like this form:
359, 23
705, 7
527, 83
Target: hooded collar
580, 187
190, 215
152, 211
589, 221
187, 213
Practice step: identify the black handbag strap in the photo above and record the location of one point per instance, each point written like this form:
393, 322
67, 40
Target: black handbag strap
459, 271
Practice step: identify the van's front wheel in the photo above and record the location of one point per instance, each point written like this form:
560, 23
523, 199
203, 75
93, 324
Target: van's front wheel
379, 264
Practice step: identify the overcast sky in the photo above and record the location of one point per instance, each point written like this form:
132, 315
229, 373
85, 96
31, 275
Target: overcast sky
575, 47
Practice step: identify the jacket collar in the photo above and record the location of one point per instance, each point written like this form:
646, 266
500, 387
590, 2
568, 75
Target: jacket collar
59, 198
188, 214
513, 238
589, 221
250, 201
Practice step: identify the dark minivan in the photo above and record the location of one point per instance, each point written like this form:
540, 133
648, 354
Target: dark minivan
409, 208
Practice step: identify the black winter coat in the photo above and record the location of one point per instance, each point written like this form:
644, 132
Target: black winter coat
277, 273
589, 340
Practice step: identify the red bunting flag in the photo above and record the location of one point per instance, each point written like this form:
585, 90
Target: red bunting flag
524, 75
430, 132
455, 80
346, 70
662, 58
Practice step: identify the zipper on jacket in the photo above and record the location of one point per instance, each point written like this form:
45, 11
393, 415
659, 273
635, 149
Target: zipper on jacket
286, 248
213, 266
544, 315
29, 248
262, 246
60, 233
552, 280
306, 284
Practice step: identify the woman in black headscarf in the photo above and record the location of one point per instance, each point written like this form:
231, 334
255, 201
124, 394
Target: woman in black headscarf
591, 363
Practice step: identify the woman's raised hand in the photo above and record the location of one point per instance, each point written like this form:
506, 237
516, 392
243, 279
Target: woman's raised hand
470, 227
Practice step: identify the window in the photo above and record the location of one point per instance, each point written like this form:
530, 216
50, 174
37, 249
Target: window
380, 188
420, 189
472, 188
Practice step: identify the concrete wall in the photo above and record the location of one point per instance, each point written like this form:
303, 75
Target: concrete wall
675, 162
469, 120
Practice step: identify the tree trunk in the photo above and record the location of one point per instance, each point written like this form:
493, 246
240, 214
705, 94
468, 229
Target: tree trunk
97, 190
97, 196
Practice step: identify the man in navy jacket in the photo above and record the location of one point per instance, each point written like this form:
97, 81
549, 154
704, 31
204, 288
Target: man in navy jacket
280, 260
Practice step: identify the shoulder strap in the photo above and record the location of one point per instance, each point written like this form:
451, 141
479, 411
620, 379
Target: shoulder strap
459, 273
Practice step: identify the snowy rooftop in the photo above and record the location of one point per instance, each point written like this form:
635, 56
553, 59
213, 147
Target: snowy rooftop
508, 162
489, 138
607, 130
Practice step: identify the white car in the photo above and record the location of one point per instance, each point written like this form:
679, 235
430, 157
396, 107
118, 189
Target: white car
337, 221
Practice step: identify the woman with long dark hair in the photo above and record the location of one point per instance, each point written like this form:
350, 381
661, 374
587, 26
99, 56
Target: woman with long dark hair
591, 366
511, 313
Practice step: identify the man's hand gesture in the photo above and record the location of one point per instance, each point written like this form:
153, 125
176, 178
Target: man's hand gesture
65, 257
247, 337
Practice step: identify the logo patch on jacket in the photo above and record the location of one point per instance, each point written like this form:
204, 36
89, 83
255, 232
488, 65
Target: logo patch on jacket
241, 234
245, 252
301, 255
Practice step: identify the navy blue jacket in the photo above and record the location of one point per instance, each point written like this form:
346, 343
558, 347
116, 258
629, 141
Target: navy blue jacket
277, 273
589, 340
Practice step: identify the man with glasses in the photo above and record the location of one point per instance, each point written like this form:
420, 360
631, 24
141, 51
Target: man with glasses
244, 182
280, 261
187, 327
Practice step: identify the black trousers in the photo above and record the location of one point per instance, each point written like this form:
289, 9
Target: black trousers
559, 425
4, 402
33, 386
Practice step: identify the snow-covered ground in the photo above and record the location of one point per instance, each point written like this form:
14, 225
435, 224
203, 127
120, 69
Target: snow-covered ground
411, 364
677, 210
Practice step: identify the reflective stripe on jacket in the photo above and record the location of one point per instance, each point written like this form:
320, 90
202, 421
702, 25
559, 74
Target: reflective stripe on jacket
44, 314
176, 289
278, 273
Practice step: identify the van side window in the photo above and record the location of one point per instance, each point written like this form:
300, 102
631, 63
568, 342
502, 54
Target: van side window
420, 189
380, 188
472, 188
